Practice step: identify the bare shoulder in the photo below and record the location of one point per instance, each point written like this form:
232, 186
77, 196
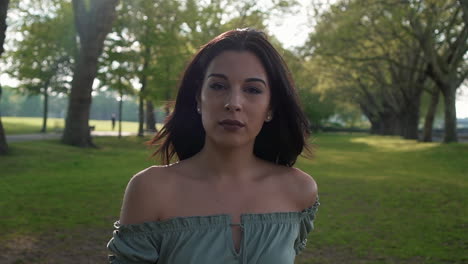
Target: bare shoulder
144, 194
301, 186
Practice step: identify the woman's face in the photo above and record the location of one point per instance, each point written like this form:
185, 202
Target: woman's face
235, 98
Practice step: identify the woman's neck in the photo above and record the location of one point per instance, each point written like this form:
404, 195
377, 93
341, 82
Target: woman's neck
227, 163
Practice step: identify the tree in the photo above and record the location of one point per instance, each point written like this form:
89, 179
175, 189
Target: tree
3, 27
368, 54
149, 25
168, 32
42, 60
430, 115
93, 21
440, 28
118, 66
317, 106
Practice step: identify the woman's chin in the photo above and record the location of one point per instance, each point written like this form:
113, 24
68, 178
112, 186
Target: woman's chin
229, 141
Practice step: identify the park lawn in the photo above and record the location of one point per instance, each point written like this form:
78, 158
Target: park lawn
390, 200
383, 199
31, 125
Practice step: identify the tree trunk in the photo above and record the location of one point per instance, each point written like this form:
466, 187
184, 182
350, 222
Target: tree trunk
46, 109
141, 115
167, 110
120, 111
150, 120
3, 143
430, 116
448, 85
410, 122
3, 27
77, 131
450, 126
376, 127
92, 24
410, 119
412, 131
376, 124
390, 125
141, 110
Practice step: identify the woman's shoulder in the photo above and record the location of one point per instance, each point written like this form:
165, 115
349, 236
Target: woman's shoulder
144, 194
156, 173
150, 178
299, 185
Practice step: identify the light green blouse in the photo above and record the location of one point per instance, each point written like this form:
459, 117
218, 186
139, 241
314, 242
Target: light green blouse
268, 238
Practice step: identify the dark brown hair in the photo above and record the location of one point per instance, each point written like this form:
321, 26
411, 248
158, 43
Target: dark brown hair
280, 141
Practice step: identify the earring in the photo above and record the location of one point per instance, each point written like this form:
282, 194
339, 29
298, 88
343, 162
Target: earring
268, 118
198, 110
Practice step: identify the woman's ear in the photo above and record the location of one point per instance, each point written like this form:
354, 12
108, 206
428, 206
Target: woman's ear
197, 98
269, 116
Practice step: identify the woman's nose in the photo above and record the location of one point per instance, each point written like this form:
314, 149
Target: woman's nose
233, 102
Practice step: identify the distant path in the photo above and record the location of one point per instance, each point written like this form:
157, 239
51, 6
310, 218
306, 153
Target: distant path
41, 136
462, 137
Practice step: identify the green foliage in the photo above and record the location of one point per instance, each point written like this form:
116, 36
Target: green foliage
151, 42
317, 106
43, 57
365, 57
381, 55
317, 110
146, 45
10, 101
163, 35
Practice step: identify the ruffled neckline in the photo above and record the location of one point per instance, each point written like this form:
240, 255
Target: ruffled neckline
209, 221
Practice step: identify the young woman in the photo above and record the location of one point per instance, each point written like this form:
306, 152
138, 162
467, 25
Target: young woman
233, 196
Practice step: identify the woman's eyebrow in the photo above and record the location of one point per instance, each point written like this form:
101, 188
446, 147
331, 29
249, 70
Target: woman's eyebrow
255, 80
222, 76
218, 75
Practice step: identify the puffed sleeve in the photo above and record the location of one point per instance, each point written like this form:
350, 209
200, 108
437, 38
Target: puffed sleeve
306, 225
133, 244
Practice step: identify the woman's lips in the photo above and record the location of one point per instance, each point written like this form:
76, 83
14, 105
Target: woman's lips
231, 125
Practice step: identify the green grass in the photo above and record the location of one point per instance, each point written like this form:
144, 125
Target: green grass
29, 125
383, 199
49, 185
391, 198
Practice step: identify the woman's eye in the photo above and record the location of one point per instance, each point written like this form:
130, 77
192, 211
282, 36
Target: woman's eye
216, 86
253, 90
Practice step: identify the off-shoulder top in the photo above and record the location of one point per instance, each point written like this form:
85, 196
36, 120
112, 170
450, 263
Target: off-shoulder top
267, 238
